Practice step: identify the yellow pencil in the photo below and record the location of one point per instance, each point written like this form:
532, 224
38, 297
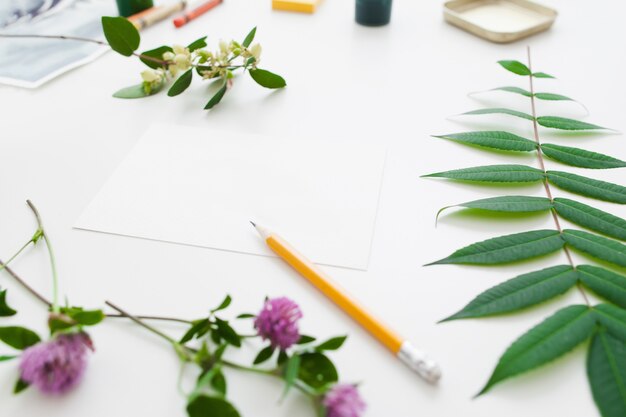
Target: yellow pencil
400, 347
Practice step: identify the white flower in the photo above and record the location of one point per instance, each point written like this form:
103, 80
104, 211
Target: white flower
151, 75
178, 49
224, 47
182, 61
169, 56
255, 50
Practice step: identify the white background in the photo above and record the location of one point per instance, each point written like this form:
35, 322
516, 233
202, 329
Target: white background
394, 85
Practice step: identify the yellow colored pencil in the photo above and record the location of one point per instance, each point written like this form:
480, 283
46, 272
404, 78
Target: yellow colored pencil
402, 348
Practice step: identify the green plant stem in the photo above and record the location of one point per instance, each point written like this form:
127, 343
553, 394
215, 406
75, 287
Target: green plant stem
542, 166
25, 285
5, 264
55, 279
141, 323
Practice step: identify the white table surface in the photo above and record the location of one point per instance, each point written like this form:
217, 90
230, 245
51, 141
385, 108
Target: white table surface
394, 85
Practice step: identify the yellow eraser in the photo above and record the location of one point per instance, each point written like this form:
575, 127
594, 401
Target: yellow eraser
303, 6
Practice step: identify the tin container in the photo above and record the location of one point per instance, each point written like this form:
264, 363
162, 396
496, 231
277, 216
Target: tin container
500, 21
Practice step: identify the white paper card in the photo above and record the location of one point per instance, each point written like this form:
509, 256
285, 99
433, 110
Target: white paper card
201, 187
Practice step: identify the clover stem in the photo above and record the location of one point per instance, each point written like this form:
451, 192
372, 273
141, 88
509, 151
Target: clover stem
25, 285
546, 185
5, 264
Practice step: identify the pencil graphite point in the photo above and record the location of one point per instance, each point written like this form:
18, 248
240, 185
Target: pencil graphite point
252, 223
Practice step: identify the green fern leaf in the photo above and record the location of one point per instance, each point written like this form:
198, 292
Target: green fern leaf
510, 204
515, 90
591, 218
588, 187
509, 248
520, 292
606, 370
563, 123
550, 339
613, 318
493, 173
580, 157
542, 75
552, 97
605, 283
597, 246
499, 110
493, 139
515, 67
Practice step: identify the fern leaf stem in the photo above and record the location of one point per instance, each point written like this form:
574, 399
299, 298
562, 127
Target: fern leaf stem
542, 166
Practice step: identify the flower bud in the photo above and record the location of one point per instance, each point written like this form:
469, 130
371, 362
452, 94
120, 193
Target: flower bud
255, 50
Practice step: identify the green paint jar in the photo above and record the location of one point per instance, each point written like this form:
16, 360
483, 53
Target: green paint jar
130, 7
373, 12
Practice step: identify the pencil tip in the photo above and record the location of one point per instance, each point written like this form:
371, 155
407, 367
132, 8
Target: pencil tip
252, 223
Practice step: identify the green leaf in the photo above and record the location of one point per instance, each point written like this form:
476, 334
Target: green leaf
499, 110
591, 218
510, 204
509, 248
493, 173
332, 344
18, 337
5, 310
613, 318
515, 67
552, 97
122, 35
197, 44
4, 358
600, 247
542, 75
606, 370
588, 187
223, 305
264, 355
205, 406
515, 90
246, 316
249, 38
181, 83
553, 337
605, 283
563, 123
291, 372
520, 292
580, 158
316, 370
304, 339
216, 98
20, 386
87, 317
267, 79
282, 357
156, 53
219, 382
493, 139
195, 328
135, 91
228, 333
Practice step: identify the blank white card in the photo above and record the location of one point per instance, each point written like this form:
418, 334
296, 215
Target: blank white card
201, 187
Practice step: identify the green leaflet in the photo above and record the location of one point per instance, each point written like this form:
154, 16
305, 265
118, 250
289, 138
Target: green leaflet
613, 318
121, 35
205, 406
18, 337
566, 124
606, 370
509, 248
552, 97
580, 157
493, 139
510, 204
520, 292
316, 370
249, 37
588, 187
156, 53
600, 247
605, 283
591, 218
267, 79
550, 339
5, 309
499, 110
181, 83
197, 44
493, 173
515, 67
515, 90
542, 75
217, 97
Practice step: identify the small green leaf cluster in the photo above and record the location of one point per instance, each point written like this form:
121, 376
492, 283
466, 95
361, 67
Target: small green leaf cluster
305, 367
605, 323
180, 63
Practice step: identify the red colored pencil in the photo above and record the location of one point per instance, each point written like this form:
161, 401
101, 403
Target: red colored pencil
198, 11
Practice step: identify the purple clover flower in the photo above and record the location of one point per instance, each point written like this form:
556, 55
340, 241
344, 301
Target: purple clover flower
57, 365
278, 322
343, 400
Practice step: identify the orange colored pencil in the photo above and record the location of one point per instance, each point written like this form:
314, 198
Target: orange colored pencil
197, 12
